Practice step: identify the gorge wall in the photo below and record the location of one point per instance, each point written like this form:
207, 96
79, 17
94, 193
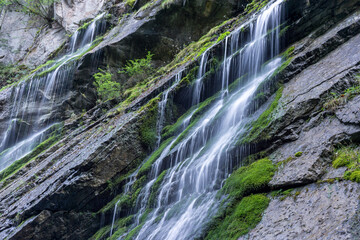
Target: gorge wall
248, 128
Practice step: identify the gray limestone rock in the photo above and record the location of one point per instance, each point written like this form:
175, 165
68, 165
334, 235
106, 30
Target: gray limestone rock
318, 211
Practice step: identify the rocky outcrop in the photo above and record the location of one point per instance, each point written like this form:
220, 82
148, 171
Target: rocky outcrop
317, 211
27, 39
72, 13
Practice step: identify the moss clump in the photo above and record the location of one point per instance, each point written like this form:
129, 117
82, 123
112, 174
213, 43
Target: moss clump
17, 165
133, 232
101, 233
298, 154
348, 157
255, 6
289, 52
283, 66
352, 176
257, 132
222, 36
147, 129
249, 179
240, 219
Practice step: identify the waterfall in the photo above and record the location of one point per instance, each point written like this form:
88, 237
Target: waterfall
197, 164
32, 118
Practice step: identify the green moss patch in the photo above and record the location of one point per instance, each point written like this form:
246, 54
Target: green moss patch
240, 219
348, 157
249, 179
120, 227
298, 154
255, 5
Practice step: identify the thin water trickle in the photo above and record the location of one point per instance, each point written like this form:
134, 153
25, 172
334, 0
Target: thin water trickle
198, 86
162, 107
198, 164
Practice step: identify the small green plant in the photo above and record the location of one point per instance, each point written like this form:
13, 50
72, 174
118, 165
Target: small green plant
336, 100
11, 73
106, 88
138, 66
348, 157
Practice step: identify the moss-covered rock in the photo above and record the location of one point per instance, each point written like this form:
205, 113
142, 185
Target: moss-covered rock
250, 179
241, 219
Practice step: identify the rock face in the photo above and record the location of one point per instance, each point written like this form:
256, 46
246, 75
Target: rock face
71, 13
317, 211
27, 39
59, 194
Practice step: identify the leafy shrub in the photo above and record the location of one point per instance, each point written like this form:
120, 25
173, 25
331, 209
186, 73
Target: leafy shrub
138, 66
106, 88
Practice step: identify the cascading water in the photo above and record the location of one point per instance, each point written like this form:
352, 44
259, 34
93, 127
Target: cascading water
162, 106
196, 165
32, 118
